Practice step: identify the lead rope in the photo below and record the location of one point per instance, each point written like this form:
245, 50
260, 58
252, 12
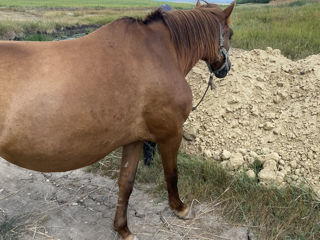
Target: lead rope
210, 84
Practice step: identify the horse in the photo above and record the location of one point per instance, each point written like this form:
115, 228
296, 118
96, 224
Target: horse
66, 104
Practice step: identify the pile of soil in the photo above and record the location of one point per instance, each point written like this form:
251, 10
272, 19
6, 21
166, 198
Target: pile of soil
266, 109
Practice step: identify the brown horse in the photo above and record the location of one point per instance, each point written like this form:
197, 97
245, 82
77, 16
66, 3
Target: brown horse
65, 105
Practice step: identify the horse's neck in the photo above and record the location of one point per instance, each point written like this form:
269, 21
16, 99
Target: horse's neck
184, 64
155, 34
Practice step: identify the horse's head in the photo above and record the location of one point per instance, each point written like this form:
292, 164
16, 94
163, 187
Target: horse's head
219, 62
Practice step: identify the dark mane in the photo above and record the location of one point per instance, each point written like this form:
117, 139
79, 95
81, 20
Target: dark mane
196, 29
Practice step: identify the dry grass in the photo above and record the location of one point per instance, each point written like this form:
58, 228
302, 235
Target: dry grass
17, 23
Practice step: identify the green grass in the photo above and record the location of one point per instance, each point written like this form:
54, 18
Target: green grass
288, 212
293, 28
252, 1
89, 3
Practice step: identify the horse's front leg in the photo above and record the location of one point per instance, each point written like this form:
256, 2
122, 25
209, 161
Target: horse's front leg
169, 151
129, 164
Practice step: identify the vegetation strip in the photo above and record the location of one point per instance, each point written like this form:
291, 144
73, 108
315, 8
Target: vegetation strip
90, 3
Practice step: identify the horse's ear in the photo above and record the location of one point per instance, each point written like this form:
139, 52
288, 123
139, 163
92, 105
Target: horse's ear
198, 3
228, 10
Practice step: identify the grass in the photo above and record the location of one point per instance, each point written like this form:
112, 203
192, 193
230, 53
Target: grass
25, 22
252, 1
89, 3
287, 212
292, 28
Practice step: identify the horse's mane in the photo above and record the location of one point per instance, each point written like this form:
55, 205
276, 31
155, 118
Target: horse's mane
196, 29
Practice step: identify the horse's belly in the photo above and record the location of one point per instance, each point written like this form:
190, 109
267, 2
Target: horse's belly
51, 155
58, 144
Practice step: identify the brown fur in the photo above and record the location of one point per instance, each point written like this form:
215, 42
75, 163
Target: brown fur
186, 27
65, 105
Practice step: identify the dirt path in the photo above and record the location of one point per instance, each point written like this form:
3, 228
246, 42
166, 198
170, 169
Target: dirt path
77, 205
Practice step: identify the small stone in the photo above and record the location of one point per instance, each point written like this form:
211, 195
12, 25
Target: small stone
269, 50
233, 101
243, 151
265, 151
224, 164
267, 175
270, 164
197, 70
268, 126
207, 153
236, 161
279, 178
273, 156
259, 79
277, 99
251, 174
216, 157
189, 135
293, 164
253, 154
225, 155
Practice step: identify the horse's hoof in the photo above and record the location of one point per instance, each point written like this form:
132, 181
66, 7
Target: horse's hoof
130, 237
185, 214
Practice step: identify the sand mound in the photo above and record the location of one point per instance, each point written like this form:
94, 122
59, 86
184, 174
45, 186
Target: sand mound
267, 108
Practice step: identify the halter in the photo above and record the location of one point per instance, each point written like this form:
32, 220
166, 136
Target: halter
222, 53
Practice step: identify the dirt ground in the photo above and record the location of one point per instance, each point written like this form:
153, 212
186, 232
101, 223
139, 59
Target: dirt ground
77, 205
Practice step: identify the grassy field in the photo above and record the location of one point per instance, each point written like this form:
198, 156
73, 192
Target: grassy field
20, 18
89, 3
293, 28
20, 23
288, 212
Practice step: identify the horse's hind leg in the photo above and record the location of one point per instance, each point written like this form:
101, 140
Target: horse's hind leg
129, 164
169, 151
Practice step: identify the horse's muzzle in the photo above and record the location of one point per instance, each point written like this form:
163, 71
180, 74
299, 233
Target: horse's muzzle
221, 73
